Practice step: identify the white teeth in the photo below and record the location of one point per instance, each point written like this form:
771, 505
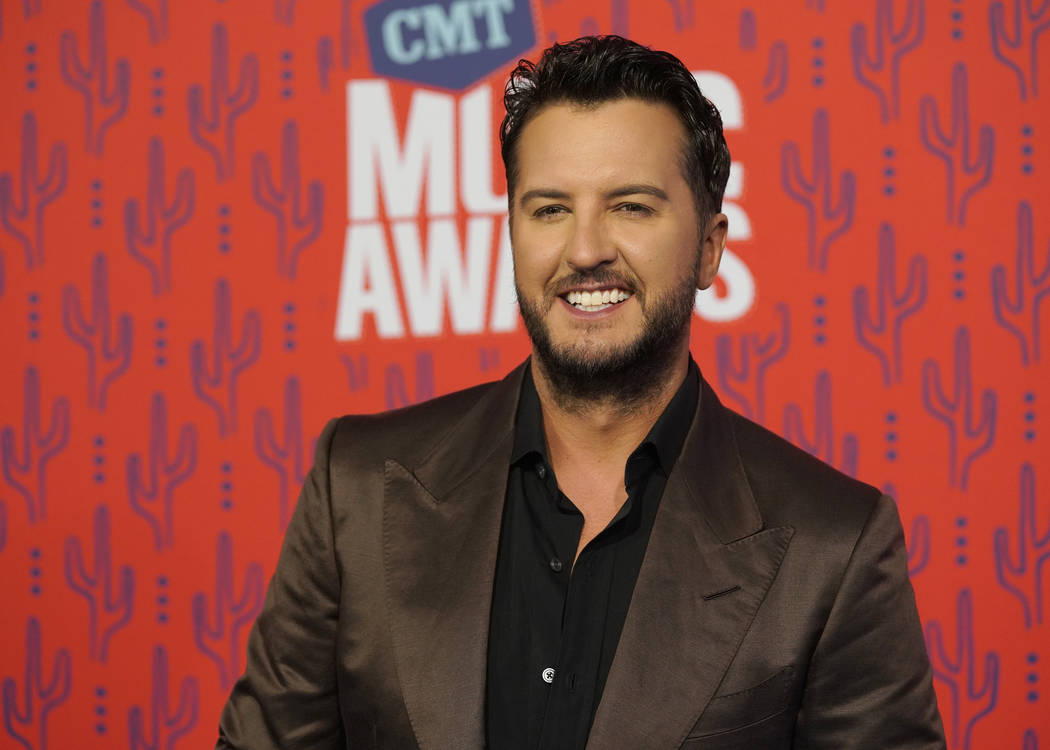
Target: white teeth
596, 300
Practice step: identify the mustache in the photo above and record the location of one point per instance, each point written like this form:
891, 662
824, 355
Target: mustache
601, 277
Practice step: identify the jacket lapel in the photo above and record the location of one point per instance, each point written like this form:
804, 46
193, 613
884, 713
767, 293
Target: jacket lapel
706, 570
441, 522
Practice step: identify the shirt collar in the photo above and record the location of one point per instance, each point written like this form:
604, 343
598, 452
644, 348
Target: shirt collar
668, 434
528, 423
665, 439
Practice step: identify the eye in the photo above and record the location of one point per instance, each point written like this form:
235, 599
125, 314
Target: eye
634, 209
548, 212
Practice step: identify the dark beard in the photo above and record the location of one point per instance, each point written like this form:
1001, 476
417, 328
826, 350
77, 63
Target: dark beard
627, 376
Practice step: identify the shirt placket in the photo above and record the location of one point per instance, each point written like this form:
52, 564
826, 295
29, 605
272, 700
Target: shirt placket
571, 693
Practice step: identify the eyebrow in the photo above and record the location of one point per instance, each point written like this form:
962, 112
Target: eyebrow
641, 189
620, 192
548, 193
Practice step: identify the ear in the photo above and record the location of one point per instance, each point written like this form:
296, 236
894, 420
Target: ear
712, 243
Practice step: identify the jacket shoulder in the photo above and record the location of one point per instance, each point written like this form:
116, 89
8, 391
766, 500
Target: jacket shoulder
794, 488
411, 431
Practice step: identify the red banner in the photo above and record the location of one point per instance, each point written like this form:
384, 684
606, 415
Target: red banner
222, 223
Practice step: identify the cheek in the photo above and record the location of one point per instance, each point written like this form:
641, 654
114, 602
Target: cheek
535, 257
663, 254
530, 275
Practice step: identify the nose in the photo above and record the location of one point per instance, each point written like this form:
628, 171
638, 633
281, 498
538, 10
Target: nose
589, 246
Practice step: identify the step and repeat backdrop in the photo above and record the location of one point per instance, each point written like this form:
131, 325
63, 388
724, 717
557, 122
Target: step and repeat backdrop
223, 222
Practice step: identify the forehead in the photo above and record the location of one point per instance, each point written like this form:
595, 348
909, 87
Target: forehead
623, 139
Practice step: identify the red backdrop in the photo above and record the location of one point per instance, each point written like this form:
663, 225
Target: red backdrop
222, 223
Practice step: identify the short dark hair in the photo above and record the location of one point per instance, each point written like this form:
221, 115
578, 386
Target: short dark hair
596, 69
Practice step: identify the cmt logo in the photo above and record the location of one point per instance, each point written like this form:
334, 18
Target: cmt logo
449, 43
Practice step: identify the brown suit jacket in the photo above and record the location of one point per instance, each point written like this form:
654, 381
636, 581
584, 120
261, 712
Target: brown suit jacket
772, 609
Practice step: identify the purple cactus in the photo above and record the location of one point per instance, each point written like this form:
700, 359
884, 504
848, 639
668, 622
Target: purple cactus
107, 348
919, 545
1017, 48
1018, 310
880, 333
747, 30
822, 444
325, 62
104, 104
109, 610
880, 69
828, 218
967, 703
287, 457
488, 358
156, 15
22, 214
284, 12
589, 26
966, 172
212, 127
356, 370
298, 217
28, 725
27, 474
217, 626
745, 381
216, 383
153, 496
968, 438
165, 728
775, 81
397, 389
683, 13
619, 19
1025, 579
149, 225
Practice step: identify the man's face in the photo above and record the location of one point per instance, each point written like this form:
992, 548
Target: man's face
608, 251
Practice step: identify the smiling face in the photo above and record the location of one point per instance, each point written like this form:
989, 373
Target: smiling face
608, 251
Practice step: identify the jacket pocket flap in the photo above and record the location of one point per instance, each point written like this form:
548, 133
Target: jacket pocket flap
745, 707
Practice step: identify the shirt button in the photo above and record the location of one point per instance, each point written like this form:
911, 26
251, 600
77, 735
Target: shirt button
548, 675
555, 564
541, 470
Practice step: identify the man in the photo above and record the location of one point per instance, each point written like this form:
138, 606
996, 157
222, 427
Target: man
593, 552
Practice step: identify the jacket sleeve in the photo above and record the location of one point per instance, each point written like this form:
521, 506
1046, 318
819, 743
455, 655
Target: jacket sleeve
288, 695
870, 682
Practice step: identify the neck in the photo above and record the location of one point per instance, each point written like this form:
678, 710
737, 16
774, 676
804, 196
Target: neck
604, 431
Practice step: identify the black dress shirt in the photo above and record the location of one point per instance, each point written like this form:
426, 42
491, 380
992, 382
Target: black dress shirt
554, 626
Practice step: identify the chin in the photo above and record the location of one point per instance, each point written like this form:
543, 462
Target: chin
593, 355
589, 366
589, 373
